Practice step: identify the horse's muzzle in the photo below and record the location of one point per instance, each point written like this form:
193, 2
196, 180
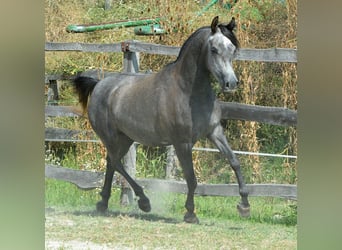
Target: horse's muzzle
230, 86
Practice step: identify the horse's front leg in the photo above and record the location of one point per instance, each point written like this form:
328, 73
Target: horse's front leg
184, 154
220, 140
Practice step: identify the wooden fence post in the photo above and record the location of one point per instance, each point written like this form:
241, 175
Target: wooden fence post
130, 65
170, 162
131, 59
127, 195
52, 92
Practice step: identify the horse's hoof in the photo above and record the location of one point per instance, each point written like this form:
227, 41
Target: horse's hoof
243, 210
101, 206
191, 218
144, 204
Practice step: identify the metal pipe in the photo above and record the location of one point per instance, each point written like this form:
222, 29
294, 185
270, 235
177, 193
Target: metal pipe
75, 28
147, 30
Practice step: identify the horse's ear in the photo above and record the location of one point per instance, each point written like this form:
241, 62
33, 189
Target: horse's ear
214, 24
231, 25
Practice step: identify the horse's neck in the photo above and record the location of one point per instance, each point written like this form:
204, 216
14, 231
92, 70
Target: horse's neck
192, 68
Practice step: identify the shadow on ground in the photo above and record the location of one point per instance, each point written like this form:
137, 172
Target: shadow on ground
110, 213
135, 215
153, 217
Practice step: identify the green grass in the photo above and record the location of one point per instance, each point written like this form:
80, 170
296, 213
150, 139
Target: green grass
263, 210
71, 219
122, 231
164, 228
65, 194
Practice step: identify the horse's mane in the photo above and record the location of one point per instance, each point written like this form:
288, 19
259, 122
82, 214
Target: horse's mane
225, 31
190, 40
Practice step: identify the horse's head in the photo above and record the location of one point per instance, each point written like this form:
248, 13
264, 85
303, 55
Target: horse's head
221, 50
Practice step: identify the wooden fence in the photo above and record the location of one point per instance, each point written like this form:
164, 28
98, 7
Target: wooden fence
131, 50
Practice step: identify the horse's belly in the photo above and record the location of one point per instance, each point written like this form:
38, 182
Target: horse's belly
142, 129
148, 138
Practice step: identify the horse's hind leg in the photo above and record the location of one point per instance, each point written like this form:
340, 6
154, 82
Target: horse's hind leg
102, 205
115, 153
220, 140
143, 202
184, 154
116, 149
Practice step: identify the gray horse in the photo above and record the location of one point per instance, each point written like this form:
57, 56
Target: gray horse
174, 106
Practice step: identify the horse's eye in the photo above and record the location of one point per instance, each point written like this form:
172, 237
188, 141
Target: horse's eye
214, 50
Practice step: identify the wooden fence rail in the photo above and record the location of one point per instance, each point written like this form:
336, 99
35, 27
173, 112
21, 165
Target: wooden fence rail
89, 180
264, 55
230, 110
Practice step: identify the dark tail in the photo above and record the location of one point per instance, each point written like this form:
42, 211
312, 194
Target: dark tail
84, 86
